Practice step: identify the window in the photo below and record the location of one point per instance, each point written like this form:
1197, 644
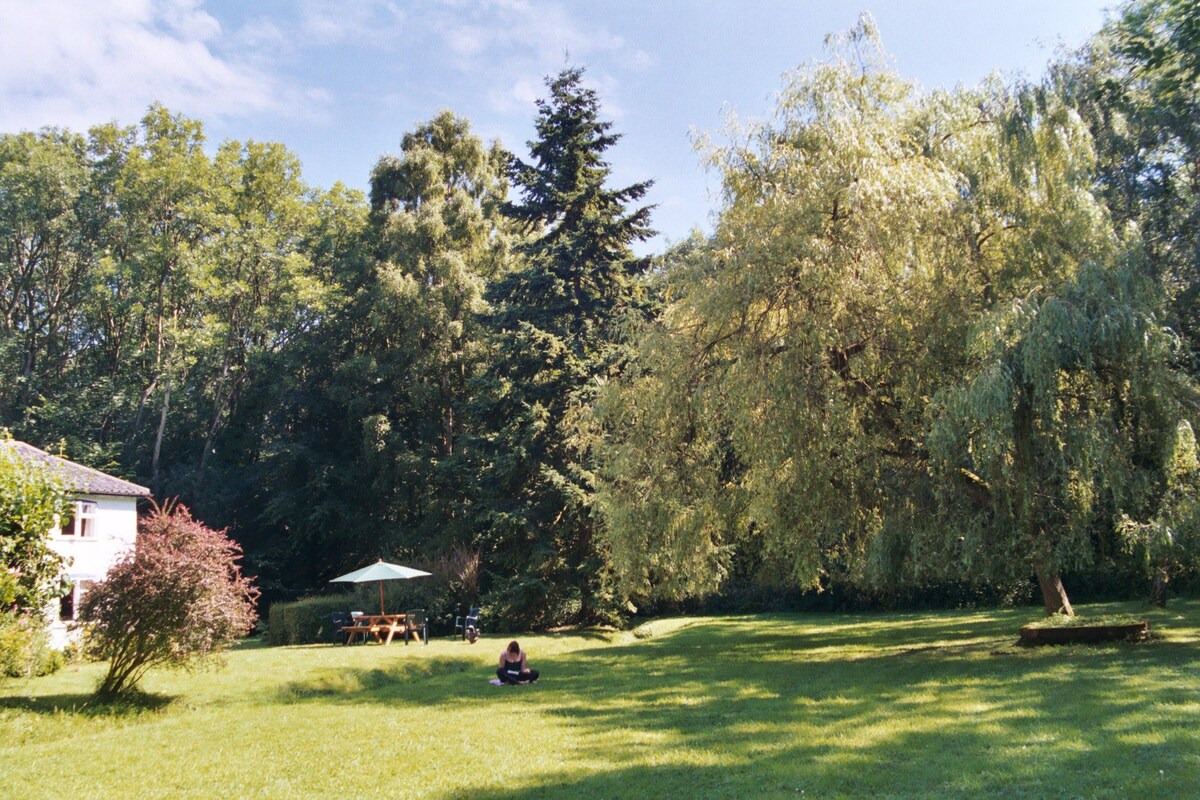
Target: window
69, 602
80, 520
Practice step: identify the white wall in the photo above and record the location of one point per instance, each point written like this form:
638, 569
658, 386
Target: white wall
114, 533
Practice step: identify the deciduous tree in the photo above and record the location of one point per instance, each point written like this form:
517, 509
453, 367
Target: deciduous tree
31, 503
377, 460
882, 256
47, 260
774, 412
1063, 427
1135, 83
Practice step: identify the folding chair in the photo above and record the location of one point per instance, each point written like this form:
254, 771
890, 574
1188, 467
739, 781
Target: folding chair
467, 623
360, 629
340, 619
416, 624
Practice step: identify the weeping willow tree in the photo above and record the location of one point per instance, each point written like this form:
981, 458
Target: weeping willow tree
1169, 541
1065, 427
774, 410
781, 413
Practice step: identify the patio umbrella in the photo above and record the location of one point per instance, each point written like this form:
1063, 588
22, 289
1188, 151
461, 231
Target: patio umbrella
380, 571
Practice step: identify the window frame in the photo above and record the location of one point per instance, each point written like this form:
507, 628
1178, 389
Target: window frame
80, 522
68, 604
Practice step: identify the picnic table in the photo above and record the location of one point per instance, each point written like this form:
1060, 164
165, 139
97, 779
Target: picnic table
380, 627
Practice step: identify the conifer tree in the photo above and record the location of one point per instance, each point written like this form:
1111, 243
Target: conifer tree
555, 340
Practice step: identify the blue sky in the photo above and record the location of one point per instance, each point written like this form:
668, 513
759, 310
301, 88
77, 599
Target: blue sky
340, 81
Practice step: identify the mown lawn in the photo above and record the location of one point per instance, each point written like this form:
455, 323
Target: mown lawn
865, 705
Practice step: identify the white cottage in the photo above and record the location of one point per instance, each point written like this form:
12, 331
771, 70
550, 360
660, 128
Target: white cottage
100, 527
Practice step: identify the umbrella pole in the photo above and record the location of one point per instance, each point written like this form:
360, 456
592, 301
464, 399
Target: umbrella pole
381, 598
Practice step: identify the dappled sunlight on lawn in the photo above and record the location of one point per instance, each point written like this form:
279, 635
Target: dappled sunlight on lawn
882, 695
942, 704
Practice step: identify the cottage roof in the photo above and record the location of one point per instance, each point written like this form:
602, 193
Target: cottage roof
76, 477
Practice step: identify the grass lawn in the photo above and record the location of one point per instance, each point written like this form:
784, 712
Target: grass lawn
813, 705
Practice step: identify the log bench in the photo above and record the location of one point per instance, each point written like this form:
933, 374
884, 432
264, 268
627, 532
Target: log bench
1033, 635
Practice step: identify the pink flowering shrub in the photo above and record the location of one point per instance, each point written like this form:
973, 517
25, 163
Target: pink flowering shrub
178, 600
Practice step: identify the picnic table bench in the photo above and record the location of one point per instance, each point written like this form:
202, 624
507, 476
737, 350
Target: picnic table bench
381, 627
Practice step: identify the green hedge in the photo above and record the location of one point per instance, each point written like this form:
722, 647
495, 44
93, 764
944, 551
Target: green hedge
307, 620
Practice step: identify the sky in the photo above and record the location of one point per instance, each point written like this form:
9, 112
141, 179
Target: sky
340, 81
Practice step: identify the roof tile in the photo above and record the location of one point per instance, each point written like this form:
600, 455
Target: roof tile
76, 477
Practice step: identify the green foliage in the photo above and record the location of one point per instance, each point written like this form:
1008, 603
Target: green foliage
306, 621
46, 263
777, 405
928, 341
157, 286
1135, 84
1169, 542
1063, 426
25, 650
31, 503
177, 601
369, 457
913, 350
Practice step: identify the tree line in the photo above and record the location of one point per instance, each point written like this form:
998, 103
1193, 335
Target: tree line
945, 335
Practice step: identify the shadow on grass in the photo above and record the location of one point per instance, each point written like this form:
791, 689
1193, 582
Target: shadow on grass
372, 685
854, 706
89, 705
745, 655
256, 642
951, 763
587, 634
970, 718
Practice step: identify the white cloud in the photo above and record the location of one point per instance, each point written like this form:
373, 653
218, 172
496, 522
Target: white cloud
260, 34
188, 21
326, 22
466, 40
518, 43
641, 60
520, 96
74, 63
500, 31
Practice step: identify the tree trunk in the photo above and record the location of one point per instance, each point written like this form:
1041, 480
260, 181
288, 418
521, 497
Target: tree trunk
1158, 592
137, 417
158, 438
215, 426
1054, 595
447, 416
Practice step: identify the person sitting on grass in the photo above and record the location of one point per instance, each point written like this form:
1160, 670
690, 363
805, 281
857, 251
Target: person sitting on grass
512, 666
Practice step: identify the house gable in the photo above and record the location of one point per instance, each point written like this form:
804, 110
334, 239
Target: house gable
100, 528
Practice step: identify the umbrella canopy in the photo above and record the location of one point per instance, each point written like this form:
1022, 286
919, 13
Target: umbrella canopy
380, 571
